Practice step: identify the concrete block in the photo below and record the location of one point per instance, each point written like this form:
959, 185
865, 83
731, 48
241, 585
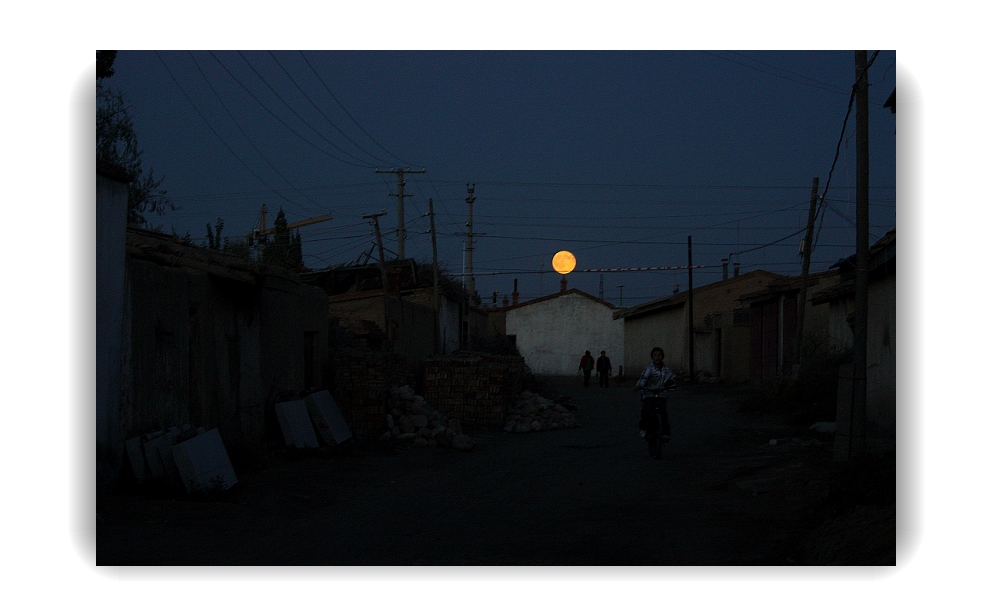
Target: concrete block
327, 417
294, 420
156, 447
203, 464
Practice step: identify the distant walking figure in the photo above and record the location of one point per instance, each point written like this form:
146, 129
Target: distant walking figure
603, 369
586, 364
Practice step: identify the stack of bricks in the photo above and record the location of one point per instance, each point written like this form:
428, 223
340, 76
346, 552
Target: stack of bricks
362, 382
473, 389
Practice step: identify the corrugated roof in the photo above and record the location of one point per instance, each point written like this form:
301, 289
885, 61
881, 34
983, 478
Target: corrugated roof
680, 298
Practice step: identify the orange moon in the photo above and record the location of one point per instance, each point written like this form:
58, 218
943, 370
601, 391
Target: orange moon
563, 262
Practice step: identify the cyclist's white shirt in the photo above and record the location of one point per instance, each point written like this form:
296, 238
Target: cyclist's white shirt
652, 380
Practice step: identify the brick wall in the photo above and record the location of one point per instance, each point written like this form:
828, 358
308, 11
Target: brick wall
362, 384
474, 389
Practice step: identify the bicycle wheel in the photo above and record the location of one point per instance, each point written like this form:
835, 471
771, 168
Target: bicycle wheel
654, 444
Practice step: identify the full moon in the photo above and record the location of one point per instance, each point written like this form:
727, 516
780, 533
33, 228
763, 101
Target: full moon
563, 262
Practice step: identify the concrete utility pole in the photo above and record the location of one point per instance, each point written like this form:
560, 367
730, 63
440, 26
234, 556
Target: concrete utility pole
468, 251
807, 248
437, 299
860, 347
692, 328
400, 224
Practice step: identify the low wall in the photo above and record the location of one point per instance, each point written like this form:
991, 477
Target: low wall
474, 389
362, 383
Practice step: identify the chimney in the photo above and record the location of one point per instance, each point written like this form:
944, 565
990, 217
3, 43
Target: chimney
737, 268
726, 262
506, 302
495, 298
564, 284
516, 296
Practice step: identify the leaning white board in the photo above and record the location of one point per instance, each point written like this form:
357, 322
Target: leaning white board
327, 417
203, 463
294, 420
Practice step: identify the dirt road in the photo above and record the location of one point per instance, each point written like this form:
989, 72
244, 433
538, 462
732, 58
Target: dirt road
591, 495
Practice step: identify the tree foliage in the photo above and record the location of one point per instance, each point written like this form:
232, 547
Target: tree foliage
213, 238
286, 247
117, 143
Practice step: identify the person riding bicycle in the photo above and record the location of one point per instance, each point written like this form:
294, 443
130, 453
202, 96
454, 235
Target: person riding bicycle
654, 383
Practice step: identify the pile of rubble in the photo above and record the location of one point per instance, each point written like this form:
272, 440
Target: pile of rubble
412, 421
534, 413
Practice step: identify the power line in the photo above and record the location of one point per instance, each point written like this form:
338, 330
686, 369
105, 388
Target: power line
294, 112
228, 111
221, 139
283, 122
850, 104
319, 78
321, 112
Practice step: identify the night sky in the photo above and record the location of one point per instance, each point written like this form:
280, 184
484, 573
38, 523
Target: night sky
617, 157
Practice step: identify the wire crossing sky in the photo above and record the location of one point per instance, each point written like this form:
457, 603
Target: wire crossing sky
617, 157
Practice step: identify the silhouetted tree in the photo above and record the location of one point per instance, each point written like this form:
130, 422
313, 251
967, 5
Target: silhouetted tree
213, 239
237, 247
286, 247
117, 143
277, 251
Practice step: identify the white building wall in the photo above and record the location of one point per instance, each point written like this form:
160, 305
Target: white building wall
666, 330
552, 335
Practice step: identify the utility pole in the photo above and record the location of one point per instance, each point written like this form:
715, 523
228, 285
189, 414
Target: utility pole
468, 253
378, 242
692, 336
806, 249
400, 224
437, 302
860, 347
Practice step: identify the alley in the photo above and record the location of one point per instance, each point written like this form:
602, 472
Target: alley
582, 496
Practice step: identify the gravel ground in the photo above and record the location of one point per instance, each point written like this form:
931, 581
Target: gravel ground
587, 495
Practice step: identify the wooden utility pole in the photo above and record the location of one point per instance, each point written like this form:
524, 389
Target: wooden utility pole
860, 347
400, 224
806, 249
692, 336
468, 251
378, 242
437, 298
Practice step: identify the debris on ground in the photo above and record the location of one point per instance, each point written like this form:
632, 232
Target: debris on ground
534, 413
412, 421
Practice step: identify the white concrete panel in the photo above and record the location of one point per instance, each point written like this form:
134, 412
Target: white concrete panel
202, 463
294, 420
156, 447
327, 417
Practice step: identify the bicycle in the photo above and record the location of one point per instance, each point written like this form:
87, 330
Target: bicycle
653, 429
